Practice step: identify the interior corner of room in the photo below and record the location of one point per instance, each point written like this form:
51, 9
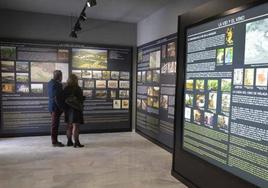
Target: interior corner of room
175, 93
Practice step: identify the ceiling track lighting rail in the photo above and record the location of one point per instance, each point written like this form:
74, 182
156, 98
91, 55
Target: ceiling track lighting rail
82, 17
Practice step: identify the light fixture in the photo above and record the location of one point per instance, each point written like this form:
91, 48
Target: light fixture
77, 26
83, 16
73, 34
91, 3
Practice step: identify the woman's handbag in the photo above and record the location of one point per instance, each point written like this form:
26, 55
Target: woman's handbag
73, 102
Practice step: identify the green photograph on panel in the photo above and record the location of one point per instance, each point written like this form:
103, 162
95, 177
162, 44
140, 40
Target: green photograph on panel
8, 52
89, 59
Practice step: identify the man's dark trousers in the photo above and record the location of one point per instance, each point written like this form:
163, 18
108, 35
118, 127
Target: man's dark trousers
54, 106
55, 117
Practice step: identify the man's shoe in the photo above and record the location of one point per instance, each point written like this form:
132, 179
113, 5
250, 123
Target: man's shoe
58, 144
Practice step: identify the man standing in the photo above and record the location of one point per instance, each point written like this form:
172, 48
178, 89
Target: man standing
55, 105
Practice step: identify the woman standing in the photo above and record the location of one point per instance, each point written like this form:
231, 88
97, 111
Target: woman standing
73, 97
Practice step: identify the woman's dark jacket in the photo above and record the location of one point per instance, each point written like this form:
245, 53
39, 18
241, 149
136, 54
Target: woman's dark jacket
72, 115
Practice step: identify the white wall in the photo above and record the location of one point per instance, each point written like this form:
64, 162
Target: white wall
164, 22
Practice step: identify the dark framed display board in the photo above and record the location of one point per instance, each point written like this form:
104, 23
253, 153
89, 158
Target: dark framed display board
104, 74
221, 139
156, 82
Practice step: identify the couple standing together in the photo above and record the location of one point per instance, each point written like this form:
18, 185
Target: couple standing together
68, 100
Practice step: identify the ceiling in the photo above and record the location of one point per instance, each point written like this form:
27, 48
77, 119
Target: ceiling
117, 10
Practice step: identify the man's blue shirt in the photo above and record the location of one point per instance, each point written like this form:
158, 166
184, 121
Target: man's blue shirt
54, 91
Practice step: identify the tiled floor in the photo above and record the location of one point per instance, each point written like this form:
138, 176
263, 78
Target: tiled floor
116, 160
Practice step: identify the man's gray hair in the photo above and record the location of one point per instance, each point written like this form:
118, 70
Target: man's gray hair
57, 74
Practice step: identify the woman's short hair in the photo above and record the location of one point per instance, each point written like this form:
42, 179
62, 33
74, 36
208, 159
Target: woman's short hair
57, 75
72, 80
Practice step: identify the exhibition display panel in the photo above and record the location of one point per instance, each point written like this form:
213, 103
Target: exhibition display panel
225, 105
156, 82
104, 75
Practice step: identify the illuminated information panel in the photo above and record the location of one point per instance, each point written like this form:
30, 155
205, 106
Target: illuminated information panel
156, 85
226, 93
104, 75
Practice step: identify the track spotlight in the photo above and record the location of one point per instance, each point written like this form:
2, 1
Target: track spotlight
73, 34
91, 3
77, 27
83, 16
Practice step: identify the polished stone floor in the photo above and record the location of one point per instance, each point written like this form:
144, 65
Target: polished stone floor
114, 160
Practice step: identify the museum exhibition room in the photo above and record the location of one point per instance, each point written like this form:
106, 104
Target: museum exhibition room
134, 94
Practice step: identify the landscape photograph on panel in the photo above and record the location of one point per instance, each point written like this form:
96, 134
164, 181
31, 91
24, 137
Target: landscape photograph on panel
8, 77
8, 88
124, 75
115, 75
164, 101
226, 85
88, 93
100, 84
22, 77
77, 73
22, 88
89, 59
123, 93
106, 75
256, 50
86, 74
7, 65
156, 76
124, 84
97, 74
89, 83
63, 55
101, 94
113, 84
149, 76
171, 49
37, 88
43, 71
8, 52
155, 59
22, 66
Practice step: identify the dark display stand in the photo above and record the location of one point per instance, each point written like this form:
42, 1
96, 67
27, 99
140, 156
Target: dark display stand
156, 81
197, 170
104, 74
